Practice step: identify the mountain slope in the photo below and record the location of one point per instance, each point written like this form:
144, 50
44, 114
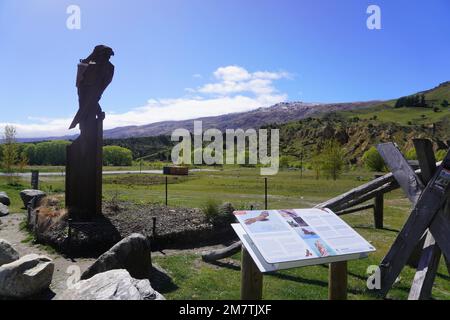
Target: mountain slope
308, 136
279, 113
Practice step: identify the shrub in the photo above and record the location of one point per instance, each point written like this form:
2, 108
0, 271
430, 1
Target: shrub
210, 209
411, 154
216, 214
117, 156
287, 161
373, 161
440, 154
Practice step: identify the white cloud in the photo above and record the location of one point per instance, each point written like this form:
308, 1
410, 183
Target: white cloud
235, 90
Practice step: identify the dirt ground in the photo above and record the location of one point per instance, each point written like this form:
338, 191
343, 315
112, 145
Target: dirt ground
10, 231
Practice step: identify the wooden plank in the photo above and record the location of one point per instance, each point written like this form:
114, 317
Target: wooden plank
410, 183
427, 160
353, 210
431, 253
426, 272
368, 196
357, 192
440, 229
383, 184
429, 203
337, 281
251, 278
408, 180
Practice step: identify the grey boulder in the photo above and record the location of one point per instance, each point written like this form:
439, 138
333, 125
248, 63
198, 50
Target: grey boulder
7, 253
26, 277
111, 285
4, 199
4, 210
132, 254
28, 195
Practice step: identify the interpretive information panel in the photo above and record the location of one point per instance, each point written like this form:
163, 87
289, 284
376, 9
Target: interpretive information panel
319, 235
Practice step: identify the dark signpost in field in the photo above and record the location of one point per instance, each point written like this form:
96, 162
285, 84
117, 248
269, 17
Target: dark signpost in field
35, 179
84, 155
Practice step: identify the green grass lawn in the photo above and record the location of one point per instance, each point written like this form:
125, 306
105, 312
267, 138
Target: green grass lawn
402, 116
194, 279
243, 187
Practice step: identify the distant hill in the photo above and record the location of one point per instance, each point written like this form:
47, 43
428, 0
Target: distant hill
383, 111
279, 113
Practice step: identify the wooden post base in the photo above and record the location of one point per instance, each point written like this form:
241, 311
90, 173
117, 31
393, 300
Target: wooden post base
251, 278
337, 281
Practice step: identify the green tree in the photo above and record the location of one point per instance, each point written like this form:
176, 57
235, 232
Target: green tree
316, 165
30, 152
373, 161
333, 159
444, 104
117, 156
9, 149
423, 102
50, 153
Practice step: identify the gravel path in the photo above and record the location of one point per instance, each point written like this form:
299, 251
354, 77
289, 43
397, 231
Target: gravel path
10, 231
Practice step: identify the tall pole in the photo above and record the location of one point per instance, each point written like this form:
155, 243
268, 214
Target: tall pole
265, 193
167, 201
301, 165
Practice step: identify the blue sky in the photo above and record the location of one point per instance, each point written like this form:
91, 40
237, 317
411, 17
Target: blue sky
178, 59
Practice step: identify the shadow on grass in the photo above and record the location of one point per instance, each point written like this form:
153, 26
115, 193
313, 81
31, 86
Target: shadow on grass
226, 265
287, 277
443, 276
370, 227
161, 281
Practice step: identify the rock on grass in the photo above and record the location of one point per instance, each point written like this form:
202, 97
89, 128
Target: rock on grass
111, 285
26, 277
4, 210
4, 199
7, 253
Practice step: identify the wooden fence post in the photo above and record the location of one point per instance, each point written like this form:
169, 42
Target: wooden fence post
167, 191
378, 211
251, 278
35, 179
337, 281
